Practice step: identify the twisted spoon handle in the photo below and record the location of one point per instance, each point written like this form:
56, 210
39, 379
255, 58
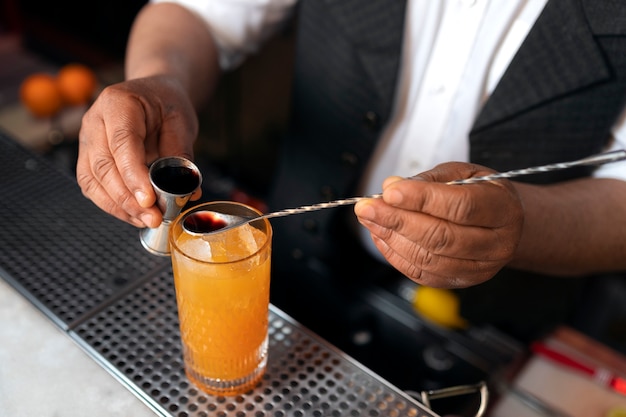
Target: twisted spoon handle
319, 206
599, 159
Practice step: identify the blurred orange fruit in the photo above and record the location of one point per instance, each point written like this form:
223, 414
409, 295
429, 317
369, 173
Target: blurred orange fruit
40, 94
77, 83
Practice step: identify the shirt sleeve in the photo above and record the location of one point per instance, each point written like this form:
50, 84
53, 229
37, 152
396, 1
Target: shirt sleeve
615, 170
239, 27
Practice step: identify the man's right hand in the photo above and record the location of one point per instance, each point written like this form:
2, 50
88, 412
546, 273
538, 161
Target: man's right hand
130, 125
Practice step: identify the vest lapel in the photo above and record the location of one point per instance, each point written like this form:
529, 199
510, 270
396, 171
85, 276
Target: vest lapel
559, 56
376, 29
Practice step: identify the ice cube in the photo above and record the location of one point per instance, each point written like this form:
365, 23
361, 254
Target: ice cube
197, 248
247, 239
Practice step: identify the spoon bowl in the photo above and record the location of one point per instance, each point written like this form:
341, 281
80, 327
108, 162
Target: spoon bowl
207, 221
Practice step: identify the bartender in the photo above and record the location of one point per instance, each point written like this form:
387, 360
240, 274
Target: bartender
389, 89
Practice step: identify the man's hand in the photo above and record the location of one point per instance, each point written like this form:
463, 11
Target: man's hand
130, 125
445, 235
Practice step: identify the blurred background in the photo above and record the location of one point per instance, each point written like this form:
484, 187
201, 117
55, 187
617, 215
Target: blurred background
40, 37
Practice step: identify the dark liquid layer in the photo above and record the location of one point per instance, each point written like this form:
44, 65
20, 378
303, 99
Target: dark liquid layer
203, 222
176, 180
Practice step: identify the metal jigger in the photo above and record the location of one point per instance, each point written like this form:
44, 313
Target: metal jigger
174, 180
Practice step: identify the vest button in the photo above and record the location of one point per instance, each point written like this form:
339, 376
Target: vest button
372, 120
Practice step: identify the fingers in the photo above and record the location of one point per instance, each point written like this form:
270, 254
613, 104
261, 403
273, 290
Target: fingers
434, 252
99, 177
445, 235
437, 271
110, 203
485, 204
129, 126
435, 235
111, 168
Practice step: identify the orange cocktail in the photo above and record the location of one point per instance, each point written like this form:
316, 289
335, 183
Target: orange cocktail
222, 282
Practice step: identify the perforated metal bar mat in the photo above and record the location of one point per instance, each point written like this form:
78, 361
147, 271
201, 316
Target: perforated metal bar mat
58, 248
305, 376
90, 275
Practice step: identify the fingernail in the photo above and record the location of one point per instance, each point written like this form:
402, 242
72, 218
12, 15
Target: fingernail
146, 219
393, 197
140, 196
364, 210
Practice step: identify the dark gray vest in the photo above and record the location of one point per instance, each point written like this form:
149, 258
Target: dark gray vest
557, 101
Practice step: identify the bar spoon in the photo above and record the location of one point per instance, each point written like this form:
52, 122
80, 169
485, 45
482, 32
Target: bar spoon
206, 222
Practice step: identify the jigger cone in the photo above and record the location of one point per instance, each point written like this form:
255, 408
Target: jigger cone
174, 180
